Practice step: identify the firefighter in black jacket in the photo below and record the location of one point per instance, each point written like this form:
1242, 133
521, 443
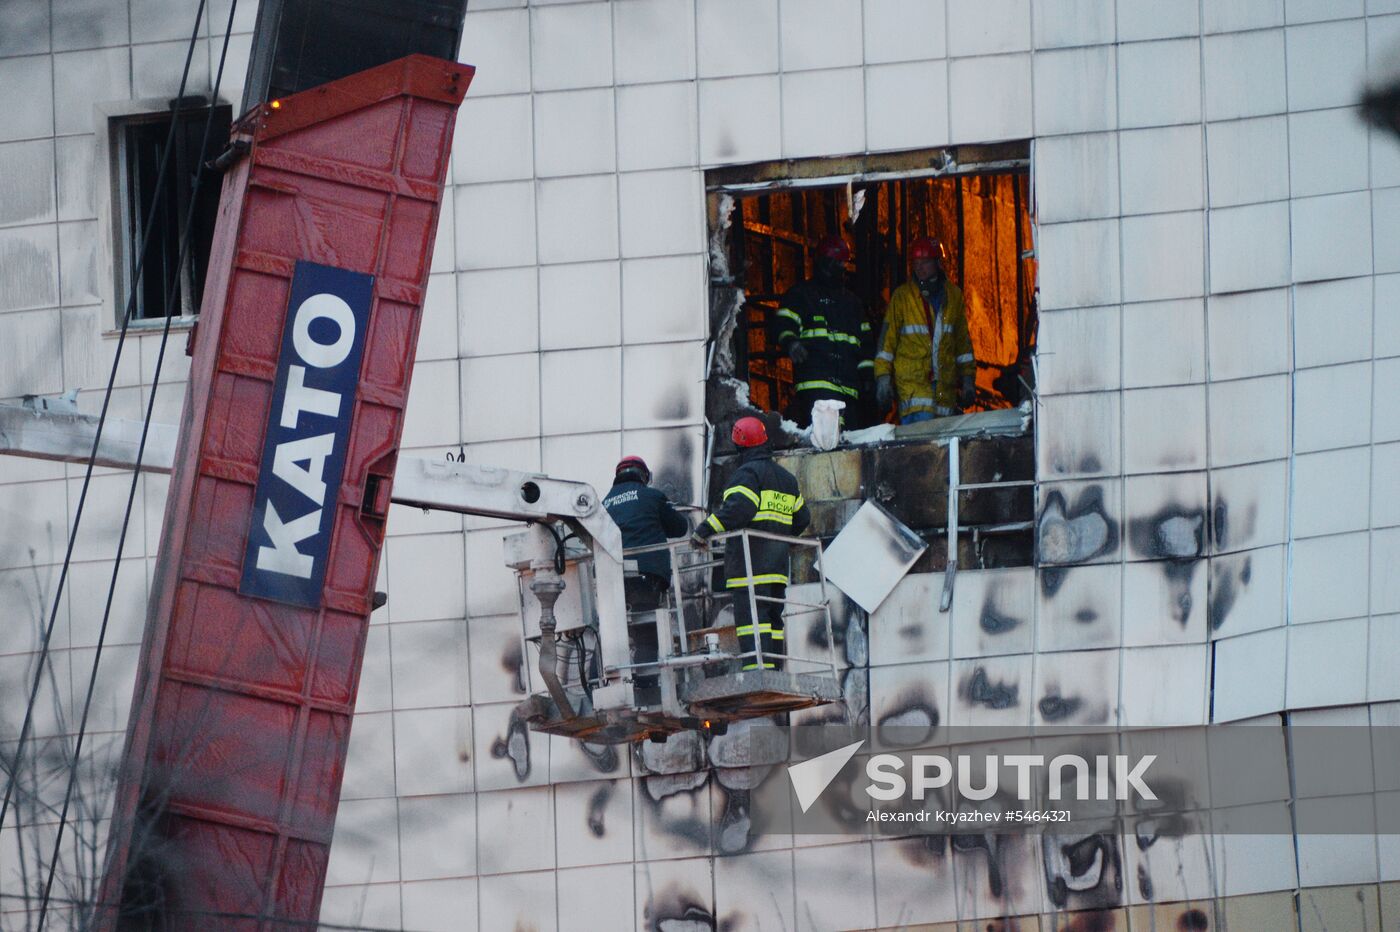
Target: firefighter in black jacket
762, 496
644, 516
821, 326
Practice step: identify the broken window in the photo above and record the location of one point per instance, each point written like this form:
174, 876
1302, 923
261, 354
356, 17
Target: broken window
168, 207
980, 214
963, 485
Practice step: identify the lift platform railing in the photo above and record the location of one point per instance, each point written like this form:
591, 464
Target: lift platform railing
691, 627
693, 598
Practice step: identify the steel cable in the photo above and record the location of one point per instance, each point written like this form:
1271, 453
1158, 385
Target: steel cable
47, 638
185, 238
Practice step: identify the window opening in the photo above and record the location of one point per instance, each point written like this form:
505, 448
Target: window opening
980, 218
140, 142
966, 485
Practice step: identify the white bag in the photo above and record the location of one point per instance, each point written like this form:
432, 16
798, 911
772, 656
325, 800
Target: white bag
826, 423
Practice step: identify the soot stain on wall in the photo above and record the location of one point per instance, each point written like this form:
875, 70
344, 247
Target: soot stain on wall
1227, 580
912, 718
992, 621
992, 848
604, 757
1225, 525
597, 809
1083, 872
674, 472
682, 752
1075, 533
514, 745
513, 663
732, 828
1172, 533
979, 689
674, 908
689, 828
1175, 535
1056, 708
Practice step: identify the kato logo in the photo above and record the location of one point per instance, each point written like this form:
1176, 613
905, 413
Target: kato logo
308, 430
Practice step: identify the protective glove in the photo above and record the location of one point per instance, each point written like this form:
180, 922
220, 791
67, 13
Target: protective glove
884, 392
699, 541
967, 393
797, 352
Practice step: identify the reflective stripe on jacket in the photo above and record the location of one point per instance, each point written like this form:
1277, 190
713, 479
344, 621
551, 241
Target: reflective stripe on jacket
763, 496
906, 348
831, 326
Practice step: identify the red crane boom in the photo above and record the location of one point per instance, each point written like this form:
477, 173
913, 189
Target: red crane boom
256, 630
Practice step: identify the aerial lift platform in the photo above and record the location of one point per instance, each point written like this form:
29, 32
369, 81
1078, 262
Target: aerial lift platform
283, 469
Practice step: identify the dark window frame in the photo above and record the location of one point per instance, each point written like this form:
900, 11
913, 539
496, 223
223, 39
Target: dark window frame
137, 141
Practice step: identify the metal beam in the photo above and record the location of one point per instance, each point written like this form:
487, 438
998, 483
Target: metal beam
40, 433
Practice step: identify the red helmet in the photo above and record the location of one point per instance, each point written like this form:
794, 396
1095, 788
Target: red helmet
633, 464
749, 432
925, 247
834, 247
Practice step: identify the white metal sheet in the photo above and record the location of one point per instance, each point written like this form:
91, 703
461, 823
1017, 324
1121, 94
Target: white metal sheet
871, 555
820, 34
736, 37
1148, 19
1163, 170
1245, 75
1075, 90
1144, 68
1247, 161
1076, 177
1146, 238
1328, 152
580, 305
1249, 247
1331, 236
1078, 350
988, 27
1326, 62
739, 120
1069, 23
904, 30
655, 40
657, 125
571, 46
577, 219
823, 112
661, 213
1332, 407
1079, 264
573, 133
498, 43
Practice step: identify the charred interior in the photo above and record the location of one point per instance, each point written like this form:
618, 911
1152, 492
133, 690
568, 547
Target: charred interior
766, 223
980, 217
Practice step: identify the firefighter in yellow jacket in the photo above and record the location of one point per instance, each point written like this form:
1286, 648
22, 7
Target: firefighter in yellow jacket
925, 354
